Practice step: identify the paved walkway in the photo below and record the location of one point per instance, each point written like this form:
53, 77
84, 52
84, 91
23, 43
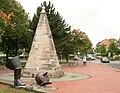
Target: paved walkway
104, 79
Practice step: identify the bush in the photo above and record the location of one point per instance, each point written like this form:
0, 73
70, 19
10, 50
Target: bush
117, 58
112, 59
2, 64
67, 62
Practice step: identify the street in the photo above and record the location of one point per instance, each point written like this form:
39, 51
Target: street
115, 64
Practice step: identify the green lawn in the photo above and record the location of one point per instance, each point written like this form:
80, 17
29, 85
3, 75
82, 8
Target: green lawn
10, 89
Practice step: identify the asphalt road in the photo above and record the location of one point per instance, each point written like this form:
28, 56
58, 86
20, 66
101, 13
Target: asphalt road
115, 64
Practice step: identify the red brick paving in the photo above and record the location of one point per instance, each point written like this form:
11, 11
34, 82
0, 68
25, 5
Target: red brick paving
104, 79
5, 71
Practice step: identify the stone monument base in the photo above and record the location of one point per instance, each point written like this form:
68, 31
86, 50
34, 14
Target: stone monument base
52, 73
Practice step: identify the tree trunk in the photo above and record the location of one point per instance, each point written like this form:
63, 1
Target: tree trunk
16, 49
66, 58
8, 48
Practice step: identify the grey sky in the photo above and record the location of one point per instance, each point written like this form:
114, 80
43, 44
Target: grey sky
99, 19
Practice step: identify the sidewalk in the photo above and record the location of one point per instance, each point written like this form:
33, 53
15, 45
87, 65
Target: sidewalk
103, 79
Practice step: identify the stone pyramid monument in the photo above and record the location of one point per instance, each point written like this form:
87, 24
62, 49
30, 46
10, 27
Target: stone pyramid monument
43, 57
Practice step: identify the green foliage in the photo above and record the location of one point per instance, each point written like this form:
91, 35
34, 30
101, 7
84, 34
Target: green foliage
101, 49
67, 46
67, 62
117, 58
117, 51
2, 64
112, 59
19, 37
112, 48
81, 42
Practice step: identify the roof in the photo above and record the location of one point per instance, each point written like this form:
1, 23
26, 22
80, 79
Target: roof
105, 42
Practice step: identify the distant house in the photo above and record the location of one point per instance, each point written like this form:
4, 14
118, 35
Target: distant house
105, 42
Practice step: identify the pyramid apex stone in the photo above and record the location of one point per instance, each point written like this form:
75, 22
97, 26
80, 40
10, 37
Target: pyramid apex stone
43, 10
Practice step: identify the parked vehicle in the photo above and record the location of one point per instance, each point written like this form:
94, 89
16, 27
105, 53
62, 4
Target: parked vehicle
105, 60
90, 56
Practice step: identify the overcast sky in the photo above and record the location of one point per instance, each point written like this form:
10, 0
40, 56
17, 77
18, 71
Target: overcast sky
99, 19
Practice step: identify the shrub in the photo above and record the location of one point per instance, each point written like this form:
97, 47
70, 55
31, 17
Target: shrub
117, 58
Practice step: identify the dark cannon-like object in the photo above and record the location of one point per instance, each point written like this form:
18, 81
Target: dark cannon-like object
42, 79
13, 63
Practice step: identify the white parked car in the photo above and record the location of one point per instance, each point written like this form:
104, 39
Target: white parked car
90, 56
105, 60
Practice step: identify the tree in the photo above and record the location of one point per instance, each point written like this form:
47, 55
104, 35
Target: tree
76, 41
66, 46
112, 48
117, 52
81, 41
21, 23
101, 49
7, 25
